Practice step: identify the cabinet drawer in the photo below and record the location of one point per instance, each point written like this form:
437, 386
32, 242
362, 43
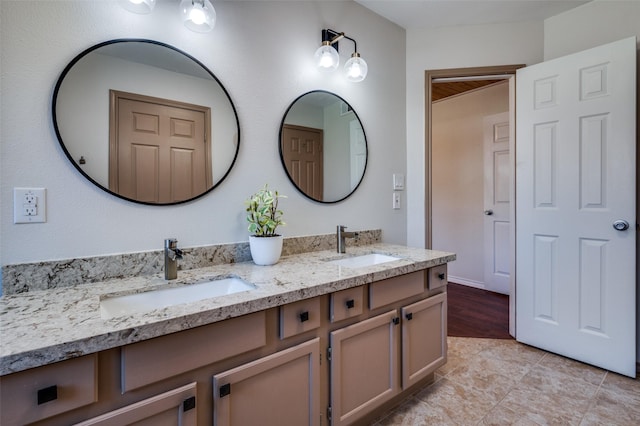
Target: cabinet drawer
163, 357
43, 392
437, 276
176, 406
346, 304
394, 289
299, 317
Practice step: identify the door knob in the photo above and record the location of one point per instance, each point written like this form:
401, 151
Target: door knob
620, 225
488, 212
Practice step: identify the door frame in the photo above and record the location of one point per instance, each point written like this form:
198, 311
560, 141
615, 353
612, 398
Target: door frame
498, 71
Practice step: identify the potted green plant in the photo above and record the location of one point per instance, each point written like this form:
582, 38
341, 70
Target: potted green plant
264, 218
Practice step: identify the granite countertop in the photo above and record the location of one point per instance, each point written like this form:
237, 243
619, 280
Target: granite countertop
43, 327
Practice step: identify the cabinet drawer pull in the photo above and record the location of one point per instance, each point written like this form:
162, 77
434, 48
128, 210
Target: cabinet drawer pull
441, 276
351, 304
409, 316
304, 316
225, 390
47, 394
396, 321
189, 404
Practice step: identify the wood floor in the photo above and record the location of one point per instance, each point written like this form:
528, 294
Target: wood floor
472, 312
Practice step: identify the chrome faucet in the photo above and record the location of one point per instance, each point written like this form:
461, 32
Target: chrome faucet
171, 255
341, 235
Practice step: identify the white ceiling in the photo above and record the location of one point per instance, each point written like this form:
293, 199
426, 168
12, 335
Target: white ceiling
425, 14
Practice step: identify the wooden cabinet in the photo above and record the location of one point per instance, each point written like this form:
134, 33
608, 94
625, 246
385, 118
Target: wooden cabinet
278, 390
172, 408
383, 339
374, 360
40, 393
364, 366
424, 338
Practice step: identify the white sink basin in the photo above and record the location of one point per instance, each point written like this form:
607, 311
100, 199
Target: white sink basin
364, 260
117, 306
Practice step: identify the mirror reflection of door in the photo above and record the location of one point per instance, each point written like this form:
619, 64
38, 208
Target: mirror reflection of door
302, 155
159, 149
358, 149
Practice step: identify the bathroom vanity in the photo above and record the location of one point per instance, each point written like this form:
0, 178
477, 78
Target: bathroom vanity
312, 342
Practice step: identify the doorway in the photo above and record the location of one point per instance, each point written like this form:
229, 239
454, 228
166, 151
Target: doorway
467, 76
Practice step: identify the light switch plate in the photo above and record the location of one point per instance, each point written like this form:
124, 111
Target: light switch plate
398, 182
396, 201
29, 205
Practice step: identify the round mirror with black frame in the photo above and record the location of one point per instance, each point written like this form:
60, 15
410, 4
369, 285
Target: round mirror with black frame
323, 147
145, 121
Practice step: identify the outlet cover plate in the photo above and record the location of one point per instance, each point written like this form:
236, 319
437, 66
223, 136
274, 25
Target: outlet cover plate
29, 205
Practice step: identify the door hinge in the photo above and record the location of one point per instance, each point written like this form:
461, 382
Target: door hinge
329, 354
329, 418
320, 359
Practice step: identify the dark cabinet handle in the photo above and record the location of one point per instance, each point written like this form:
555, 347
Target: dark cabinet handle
350, 303
409, 316
225, 390
396, 321
189, 404
304, 316
47, 394
441, 276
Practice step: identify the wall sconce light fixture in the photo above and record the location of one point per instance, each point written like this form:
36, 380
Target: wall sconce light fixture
327, 58
197, 15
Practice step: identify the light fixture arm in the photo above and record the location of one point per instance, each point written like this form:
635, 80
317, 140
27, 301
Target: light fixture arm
333, 37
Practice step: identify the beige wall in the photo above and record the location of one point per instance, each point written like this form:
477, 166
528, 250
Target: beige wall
458, 171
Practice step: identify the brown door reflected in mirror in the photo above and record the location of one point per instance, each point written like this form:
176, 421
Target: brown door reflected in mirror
160, 150
323, 147
302, 155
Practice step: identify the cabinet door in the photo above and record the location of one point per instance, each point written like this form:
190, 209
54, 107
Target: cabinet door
424, 338
364, 366
173, 408
278, 390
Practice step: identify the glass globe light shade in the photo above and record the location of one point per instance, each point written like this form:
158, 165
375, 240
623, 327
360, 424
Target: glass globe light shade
138, 6
356, 68
327, 58
198, 15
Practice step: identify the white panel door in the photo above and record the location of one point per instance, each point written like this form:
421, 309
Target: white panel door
575, 174
497, 202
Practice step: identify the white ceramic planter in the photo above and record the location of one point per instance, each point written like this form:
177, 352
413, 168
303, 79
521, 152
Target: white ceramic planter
265, 250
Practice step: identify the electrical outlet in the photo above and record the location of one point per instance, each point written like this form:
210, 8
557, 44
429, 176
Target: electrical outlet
29, 205
30, 209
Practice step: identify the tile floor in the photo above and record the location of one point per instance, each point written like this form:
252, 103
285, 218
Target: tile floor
502, 382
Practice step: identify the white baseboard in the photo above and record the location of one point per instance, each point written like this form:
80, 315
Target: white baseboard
467, 282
